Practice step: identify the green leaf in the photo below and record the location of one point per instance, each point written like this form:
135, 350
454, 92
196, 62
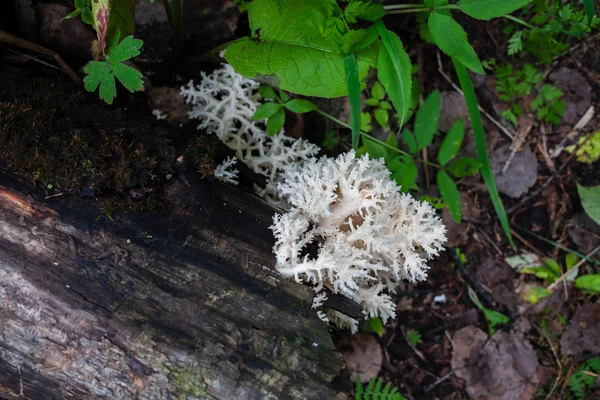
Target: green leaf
373, 325
372, 102
352, 79
452, 39
100, 74
381, 116
330, 140
289, 51
265, 111
127, 49
129, 77
493, 318
121, 22
406, 175
464, 166
300, 106
74, 13
589, 282
450, 195
488, 9
384, 105
374, 149
394, 71
589, 10
414, 337
426, 120
284, 96
481, 147
590, 200
409, 140
452, 142
364, 10
275, 122
86, 16
266, 92
378, 92
535, 294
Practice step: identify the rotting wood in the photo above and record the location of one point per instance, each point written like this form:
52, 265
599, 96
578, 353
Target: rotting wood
184, 305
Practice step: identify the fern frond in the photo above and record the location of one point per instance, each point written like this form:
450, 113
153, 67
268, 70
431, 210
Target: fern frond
376, 391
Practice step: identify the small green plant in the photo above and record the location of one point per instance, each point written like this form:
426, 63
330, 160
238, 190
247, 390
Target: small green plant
589, 152
373, 325
376, 390
414, 337
381, 107
547, 28
274, 110
493, 318
513, 85
581, 381
103, 73
83, 8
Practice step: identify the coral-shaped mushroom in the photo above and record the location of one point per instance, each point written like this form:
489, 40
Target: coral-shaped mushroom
351, 230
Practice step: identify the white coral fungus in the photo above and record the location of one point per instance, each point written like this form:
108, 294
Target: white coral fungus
225, 172
224, 102
351, 230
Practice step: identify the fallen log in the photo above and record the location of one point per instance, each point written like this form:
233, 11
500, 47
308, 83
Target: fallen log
178, 304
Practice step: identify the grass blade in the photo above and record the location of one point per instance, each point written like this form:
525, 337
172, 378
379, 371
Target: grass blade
353, 82
589, 10
480, 145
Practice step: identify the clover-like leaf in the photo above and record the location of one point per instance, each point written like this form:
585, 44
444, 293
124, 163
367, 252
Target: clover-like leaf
103, 73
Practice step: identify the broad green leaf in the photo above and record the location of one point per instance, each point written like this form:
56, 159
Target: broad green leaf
381, 116
353, 82
426, 120
589, 282
97, 71
589, 10
535, 294
394, 71
374, 149
590, 200
300, 106
129, 77
288, 51
488, 9
275, 122
378, 92
452, 39
543, 272
409, 140
450, 195
127, 49
267, 92
481, 146
452, 142
464, 166
373, 325
406, 175
265, 111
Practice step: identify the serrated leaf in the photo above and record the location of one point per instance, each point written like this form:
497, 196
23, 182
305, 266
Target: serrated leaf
452, 40
464, 166
127, 49
129, 77
426, 120
590, 200
287, 50
589, 282
265, 111
452, 142
300, 106
450, 195
488, 9
275, 122
394, 71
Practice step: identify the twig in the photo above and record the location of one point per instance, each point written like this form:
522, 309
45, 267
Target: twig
436, 383
527, 244
488, 116
16, 41
575, 267
583, 121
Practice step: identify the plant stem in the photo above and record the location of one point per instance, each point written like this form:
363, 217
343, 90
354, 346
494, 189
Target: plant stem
518, 21
373, 138
407, 11
403, 6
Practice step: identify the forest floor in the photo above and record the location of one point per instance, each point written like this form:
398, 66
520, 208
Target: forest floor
472, 330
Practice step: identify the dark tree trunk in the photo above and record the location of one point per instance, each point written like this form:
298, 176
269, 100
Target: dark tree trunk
181, 304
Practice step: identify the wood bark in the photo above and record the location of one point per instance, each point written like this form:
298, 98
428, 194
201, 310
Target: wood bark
152, 306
